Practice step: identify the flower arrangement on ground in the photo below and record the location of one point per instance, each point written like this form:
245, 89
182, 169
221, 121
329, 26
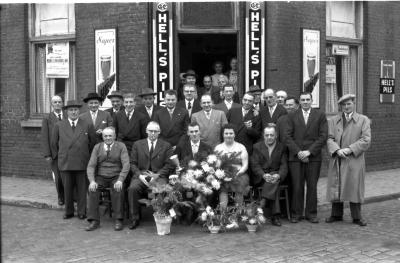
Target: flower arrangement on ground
252, 214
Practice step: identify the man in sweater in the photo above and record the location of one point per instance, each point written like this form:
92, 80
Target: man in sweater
108, 167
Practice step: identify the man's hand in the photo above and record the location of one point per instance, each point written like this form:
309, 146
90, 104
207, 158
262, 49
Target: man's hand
99, 131
93, 186
275, 178
347, 151
303, 155
255, 112
267, 178
118, 186
142, 178
248, 124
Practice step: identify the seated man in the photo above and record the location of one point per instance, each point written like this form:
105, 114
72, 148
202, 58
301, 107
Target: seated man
111, 161
269, 166
150, 160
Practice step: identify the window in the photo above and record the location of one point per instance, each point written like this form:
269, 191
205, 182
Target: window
51, 24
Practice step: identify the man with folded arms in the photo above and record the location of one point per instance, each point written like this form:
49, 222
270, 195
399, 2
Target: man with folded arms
111, 161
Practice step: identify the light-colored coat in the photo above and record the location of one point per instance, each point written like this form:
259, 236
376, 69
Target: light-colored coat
357, 137
210, 129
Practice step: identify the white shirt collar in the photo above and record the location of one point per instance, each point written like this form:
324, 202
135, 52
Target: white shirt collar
149, 108
171, 110
61, 113
309, 110
105, 146
149, 143
130, 113
349, 114
197, 143
208, 112
228, 103
70, 121
95, 113
187, 101
273, 107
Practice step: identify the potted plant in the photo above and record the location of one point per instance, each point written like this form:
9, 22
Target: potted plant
252, 216
212, 219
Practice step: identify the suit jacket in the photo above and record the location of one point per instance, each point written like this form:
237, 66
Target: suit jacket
210, 128
281, 126
266, 117
103, 120
172, 130
195, 107
214, 92
111, 111
72, 148
311, 137
48, 123
246, 136
129, 131
222, 106
185, 154
143, 110
159, 162
262, 163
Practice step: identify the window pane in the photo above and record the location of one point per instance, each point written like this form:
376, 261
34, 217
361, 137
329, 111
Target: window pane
343, 12
54, 19
343, 30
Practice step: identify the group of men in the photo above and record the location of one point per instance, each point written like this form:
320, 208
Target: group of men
126, 147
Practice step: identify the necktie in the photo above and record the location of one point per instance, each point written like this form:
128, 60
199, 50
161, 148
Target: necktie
94, 118
245, 113
151, 149
306, 116
271, 111
108, 150
170, 114
189, 105
59, 116
129, 116
208, 115
73, 126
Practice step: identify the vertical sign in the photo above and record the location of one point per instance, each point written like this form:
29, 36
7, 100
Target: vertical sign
311, 59
162, 49
57, 60
255, 48
105, 46
386, 87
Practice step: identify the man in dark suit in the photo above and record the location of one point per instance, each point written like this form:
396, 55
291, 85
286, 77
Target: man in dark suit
130, 125
97, 118
72, 142
247, 124
48, 123
269, 166
273, 110
291, 104
117, 100
208, 88
306, 134
227, 103
108, 167
148, 108
190, 77
173, 121
191, 104
191, 147
256, 91
150, 160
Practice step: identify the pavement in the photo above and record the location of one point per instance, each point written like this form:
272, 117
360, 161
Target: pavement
40, 193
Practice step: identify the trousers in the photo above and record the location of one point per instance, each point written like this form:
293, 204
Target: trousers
76, 179
355, 209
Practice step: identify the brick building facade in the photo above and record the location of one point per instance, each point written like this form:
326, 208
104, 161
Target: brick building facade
20, 126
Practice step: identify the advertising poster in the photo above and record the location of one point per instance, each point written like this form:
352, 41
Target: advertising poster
106, 73
311, 64
387, 81
57, 60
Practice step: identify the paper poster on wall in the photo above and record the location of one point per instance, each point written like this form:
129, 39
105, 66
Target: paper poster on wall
311, 64
106, 63
57, 60
387, 81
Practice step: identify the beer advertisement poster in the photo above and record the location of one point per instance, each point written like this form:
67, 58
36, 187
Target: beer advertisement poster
311, 64
57, 60
105, 46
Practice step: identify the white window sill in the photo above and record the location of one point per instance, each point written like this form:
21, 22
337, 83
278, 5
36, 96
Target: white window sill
31, 123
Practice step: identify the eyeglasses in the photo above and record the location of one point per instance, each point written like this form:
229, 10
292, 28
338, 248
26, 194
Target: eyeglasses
189, 91
153, 131
268, 97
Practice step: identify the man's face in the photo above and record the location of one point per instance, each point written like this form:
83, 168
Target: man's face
206, 103
170, 101
116, 103
191, 80
348, 106
257, 97
270, 97
229, 135
247, 101
228, 93
57, 103
280, 97
93, 105
148, 100
152, 131
194, 133
108, 136
73, 113
269, 136
188, 92
221, 81
129, 104
291, 105
218, 68
305, 101
207, 82
233, 64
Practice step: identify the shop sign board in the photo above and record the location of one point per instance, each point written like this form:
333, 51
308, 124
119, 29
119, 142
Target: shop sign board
387, 81
340, 50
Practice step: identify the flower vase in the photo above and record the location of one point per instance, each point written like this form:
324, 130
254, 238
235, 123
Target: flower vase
214, 229
163, 224
251, 228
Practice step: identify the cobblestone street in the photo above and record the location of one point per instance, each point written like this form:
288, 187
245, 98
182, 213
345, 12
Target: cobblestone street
40, 235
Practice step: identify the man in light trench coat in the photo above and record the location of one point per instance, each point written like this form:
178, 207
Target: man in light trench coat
348, 138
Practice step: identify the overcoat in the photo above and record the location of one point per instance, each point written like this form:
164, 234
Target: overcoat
356, 136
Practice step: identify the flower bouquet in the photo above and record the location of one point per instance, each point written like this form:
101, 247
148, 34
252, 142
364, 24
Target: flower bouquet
213, 219
252, 216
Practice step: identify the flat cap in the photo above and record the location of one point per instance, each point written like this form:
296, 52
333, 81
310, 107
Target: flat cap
346, 97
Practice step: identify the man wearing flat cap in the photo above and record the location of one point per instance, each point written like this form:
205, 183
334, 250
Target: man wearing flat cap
97, 118
117, 100
72, 142
349, 137
148, 108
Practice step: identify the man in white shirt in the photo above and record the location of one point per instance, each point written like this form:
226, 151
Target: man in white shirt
227, 103
148, 107
273, 111
191, 104
281, 96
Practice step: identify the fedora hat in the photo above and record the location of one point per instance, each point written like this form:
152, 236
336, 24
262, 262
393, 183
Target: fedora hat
72, 103
346, 97
190, 72
93, 96
147, 91
254, 88
115, 94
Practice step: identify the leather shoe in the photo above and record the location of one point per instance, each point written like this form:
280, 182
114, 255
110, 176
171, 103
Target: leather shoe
118, 225
93, 225
134, 224
332, 219
294, 220
313, 220
68, 216
81, 217
60, 201
276, 221
359, 222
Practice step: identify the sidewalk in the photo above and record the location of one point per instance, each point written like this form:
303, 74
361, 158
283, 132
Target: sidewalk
39, 193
